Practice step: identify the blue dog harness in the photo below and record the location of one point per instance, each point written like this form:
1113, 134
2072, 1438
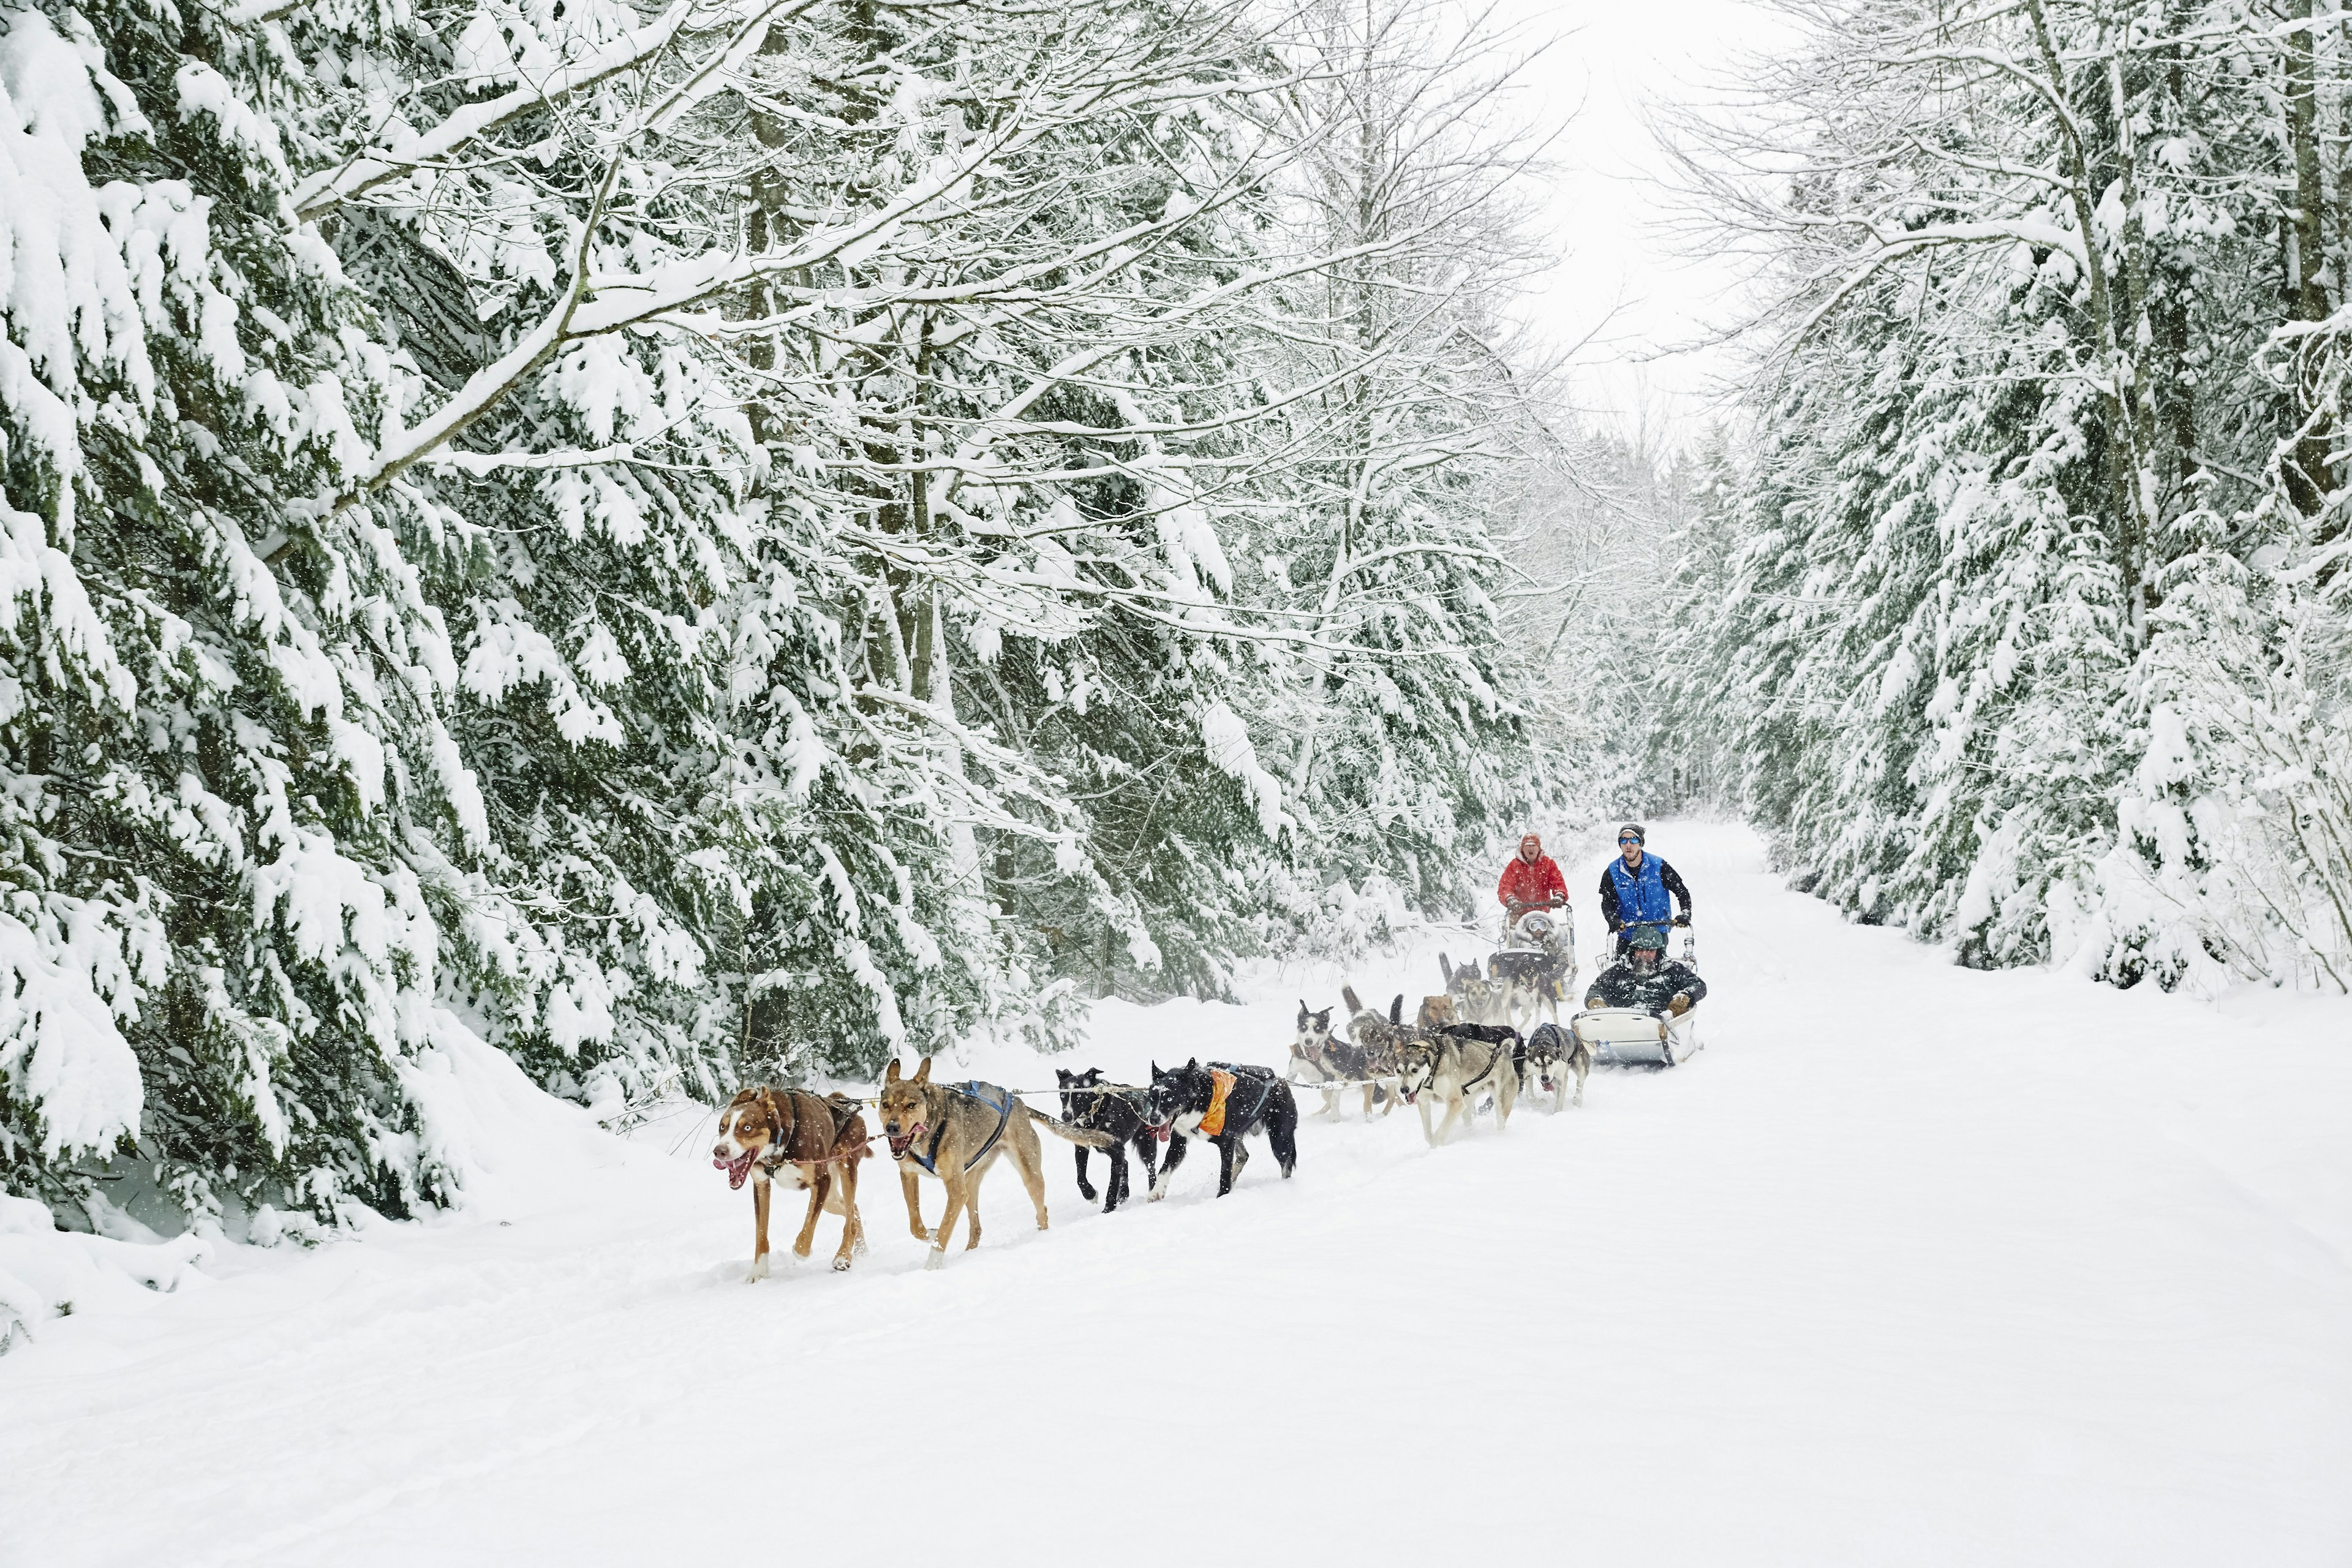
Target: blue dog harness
999, 1100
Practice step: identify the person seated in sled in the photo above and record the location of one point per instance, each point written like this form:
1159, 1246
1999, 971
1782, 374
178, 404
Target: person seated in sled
1637, 889
1530, 881
1643, 979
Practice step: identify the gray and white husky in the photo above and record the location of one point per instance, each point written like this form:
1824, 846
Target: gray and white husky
1457, 1071
1322, 1061
1554, 1055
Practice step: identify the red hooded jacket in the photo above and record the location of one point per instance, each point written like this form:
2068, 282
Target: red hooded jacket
1538, 883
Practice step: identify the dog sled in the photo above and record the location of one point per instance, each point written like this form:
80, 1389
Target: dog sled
1630, 1037
1533, 969
1634, 1037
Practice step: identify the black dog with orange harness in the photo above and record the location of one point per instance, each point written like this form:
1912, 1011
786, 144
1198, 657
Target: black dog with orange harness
1223, 1102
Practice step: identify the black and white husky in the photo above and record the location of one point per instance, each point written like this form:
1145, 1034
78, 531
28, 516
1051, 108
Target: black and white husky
1114, 1109
1257, 1101
1458, 1071
1553, 1056
1321, 1061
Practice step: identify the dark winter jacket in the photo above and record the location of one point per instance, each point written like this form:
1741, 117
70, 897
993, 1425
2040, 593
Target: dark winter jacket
1532, 884
1620, 986
1639, 898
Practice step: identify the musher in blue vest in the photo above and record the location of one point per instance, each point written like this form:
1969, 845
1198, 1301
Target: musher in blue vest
1635, 888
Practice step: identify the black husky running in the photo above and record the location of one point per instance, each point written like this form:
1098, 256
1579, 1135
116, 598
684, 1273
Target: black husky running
1222, 1102
1088, 1102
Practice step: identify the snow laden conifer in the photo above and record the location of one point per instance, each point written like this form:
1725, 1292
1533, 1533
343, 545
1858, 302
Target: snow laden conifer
730, 537
220, 685
675, 865
1407, 721
2018, 433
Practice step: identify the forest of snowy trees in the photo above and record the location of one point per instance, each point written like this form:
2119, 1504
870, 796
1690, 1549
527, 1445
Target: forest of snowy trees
2018, 606
740, 535
743, 536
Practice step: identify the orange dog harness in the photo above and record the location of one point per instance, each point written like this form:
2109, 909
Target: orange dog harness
1214, 1122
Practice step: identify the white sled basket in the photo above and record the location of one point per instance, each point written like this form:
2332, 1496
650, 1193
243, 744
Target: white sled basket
1629, 1037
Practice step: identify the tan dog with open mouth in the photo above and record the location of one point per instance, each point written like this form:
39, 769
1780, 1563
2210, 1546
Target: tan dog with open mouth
765, 1130
1476, 999
954, 1134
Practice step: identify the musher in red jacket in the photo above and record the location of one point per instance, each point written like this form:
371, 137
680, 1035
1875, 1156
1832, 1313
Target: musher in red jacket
1531, 881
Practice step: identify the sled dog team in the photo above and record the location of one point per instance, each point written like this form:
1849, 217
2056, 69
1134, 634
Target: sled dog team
1459, 1052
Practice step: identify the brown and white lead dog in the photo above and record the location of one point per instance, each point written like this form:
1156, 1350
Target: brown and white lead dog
764, 1132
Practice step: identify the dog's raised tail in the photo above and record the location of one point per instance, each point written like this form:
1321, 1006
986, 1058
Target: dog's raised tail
1084, 1136
1348, 994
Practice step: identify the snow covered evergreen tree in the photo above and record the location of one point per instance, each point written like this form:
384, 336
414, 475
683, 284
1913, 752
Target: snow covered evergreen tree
2015, 438
223, 688
1409, 721
743, 536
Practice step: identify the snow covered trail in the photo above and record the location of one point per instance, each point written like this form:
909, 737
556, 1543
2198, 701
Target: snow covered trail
1913, 1265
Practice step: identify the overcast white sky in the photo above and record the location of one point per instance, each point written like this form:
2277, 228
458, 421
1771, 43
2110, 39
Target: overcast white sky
1615, 57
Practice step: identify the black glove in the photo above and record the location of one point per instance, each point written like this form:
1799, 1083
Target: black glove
1682, 919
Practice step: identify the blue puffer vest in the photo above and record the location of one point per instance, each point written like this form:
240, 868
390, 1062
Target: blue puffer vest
1641, 896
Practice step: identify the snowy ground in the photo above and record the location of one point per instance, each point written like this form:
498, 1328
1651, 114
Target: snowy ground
1912, 1265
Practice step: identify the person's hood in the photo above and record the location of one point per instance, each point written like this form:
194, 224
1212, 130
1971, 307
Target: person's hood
1531, 841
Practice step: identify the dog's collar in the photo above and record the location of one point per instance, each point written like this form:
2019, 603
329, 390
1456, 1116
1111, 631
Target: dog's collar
911, 1152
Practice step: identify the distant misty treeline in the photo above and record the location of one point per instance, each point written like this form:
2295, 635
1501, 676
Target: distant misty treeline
2018, 607
740, 536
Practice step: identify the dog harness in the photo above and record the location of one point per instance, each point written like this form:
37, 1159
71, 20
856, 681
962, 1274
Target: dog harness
1461, 1040
1221, 1084
780, 1123
987, 1094
1223, 1076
